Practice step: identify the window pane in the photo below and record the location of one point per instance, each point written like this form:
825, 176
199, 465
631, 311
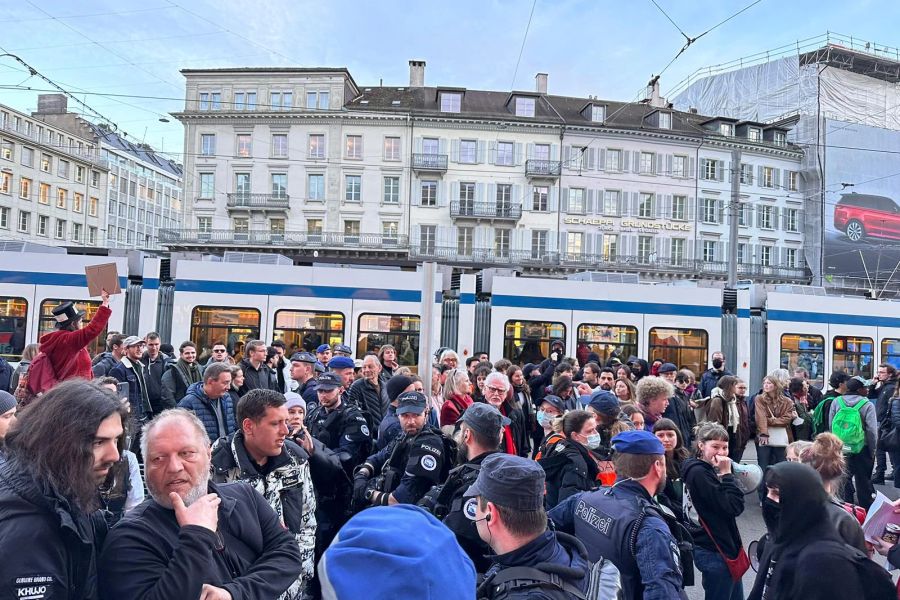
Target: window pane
400, 331
606, 341
890, 351
682, 347
230, 326
529, 341
13, 317
799, 351
853, 355
47, 321
308, 329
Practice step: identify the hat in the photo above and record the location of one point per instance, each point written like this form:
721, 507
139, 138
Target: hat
605, 403
7, 401
510, 481
322, 348
357, 363
746, 477
320, 368
395, 386
527, 369
342, 348
328, 381
484, 419
411, 402
66, 313
667, 368
307, 357
394, 550
555, 401
637, 442
341, 362
132, 340
294, 399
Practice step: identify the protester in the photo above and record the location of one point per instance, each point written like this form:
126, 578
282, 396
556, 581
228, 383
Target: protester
181, 375
257, 374
48, 491
624, 391
155, 363
802, 426
852, 419
571, 468
676, 453
634, 414
131, 370
880, 393
724, 408
366, 392
549, 417
710, 378
210, 401
387, 357
8, 408
195, 538
21, 370
457, 398
66, 348
774, 413
515, 435
679, 409
108, 360
653, 395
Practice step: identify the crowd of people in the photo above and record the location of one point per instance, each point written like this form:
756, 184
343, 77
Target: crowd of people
317, 475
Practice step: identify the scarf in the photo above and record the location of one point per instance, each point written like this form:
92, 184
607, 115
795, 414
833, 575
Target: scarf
734, 417
191, 373
509, 444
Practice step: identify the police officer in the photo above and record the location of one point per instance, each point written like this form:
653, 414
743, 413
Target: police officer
303, 371
343, 366
648, 559
340, 350
407, 467
478, 437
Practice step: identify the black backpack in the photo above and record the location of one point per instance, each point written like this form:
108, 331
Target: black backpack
877, 582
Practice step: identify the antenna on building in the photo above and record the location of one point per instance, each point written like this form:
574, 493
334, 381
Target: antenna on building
144, 137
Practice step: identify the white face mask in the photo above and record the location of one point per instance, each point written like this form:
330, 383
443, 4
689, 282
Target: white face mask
593, 441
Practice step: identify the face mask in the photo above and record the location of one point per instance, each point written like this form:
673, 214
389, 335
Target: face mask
717, 363
542, 418
771, 513
593, 441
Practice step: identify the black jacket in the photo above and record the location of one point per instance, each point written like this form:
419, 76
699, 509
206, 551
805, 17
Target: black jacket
367, 398
261, 378
881, 397
520, 434
680, 411
154, 374
570, 469
174, 385
43, 537
148, 556
718, 502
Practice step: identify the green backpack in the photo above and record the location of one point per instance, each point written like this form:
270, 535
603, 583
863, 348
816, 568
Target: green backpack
847, 425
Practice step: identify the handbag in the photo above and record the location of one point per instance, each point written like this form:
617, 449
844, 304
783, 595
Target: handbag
889, 439
736, 566
778, 436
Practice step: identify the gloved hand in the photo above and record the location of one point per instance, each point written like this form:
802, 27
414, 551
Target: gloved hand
360, 482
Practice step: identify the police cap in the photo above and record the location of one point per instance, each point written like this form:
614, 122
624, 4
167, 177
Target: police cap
322, 348
328, 381
510, 481
411, 402
341, 362
484, 419
307, 357
342, 348
637, 442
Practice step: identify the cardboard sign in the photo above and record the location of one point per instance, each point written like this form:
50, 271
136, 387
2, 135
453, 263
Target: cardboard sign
102, 277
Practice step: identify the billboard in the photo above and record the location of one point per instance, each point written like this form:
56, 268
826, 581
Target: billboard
862, 203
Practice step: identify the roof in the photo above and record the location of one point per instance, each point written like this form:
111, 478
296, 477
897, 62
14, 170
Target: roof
297, 70
857, 61
142, 152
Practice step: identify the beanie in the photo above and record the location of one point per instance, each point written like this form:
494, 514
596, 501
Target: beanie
396, 385
398, 552
7, 401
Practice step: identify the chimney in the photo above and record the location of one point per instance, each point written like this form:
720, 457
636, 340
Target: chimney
416, 73
653, 97
540, 83
52, 104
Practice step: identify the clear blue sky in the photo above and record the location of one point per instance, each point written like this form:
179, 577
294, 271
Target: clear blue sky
604, 48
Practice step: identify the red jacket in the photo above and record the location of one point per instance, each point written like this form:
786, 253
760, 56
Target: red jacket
67, 350
453, 409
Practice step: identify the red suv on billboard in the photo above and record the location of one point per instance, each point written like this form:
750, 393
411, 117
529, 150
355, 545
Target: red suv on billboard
865, 215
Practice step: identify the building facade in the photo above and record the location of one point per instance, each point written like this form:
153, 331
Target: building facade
474, 178
52, 183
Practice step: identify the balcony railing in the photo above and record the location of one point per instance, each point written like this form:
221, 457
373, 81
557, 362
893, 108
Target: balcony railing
429, 162
260, 201
485, 210
542, 168
368, 241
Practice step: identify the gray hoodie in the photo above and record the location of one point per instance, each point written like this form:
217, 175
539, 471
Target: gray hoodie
866, 413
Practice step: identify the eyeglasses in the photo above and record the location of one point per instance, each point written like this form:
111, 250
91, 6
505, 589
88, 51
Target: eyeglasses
219, 350
494, 390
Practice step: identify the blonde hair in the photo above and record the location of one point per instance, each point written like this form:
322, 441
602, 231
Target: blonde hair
826, 455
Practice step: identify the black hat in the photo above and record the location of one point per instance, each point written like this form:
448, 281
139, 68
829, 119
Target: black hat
510, 481
555, 401
328, 381
485, 419
605, 403
307, 357
411, 402
395, 386
66, 313
667, 367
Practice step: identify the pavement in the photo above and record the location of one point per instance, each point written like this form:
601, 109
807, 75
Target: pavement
752, 527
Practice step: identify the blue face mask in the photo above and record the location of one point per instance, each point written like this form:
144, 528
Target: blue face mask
593, 441
544, 419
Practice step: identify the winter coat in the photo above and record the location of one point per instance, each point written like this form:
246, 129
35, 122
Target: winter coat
518, 427
261, 378
174, 384
453, 408
569, 469
717, 411
45, 539
126, 372
710, 380
881, 396
197, 401
153, 375
365, 396
147, 556
106, 363
6, 373
774, 413
67, 350
680, 411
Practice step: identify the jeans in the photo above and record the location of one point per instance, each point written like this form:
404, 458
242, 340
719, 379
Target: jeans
859, 471
717, 581
767, 456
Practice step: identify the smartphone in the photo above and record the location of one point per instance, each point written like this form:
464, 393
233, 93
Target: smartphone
122, 390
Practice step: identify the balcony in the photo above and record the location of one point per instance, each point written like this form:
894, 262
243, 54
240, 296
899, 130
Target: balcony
542, 169
258, 202
299, 239
429, 163
497, 211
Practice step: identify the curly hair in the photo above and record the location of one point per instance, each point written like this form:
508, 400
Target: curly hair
650, 388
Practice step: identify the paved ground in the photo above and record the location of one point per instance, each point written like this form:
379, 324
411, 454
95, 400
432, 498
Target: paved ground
752, 528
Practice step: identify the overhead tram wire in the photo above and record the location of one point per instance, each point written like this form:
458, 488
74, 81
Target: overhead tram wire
512, 86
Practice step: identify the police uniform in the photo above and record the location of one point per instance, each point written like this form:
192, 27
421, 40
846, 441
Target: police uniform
342, 429
410, 465
648, 559
307, 390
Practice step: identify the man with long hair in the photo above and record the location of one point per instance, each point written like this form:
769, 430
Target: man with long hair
58, 452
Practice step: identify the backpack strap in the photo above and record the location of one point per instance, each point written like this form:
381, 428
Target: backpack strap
514, 578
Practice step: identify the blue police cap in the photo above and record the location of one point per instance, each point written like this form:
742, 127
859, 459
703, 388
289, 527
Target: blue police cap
342, 348
307, 357
341, 362
323, 348
637, 442
605, 403
411, 402
510, 481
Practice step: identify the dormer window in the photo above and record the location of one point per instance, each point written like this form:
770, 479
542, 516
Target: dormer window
726, 129
598, 113
451, 102
524, 106
754, 134
780, 138
665, 120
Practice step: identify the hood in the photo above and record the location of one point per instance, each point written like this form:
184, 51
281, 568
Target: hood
803, 500
853, 399
644, 368
554, 552
694, 463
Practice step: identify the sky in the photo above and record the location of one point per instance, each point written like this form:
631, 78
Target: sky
604, 48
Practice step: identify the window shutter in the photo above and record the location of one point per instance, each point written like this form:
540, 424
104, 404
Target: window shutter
417, 144
416, 199
659, 164
666, 206
442, 146
690, 208
526, 242
415, 234
592, 159
620, 204
518, 158
588, 244
554, 151
454, 191
759, 176
729, 176
785, 180
567, 157
720, 211
553, 202
553, 241
442, 199
454, 150
529, 151
636, 161
565, 200
720, 170
491, 193
479, 192
635, 204
775, 218
589, 207
492, 152
625, 161
776, 178
480, 152
516, 196
692, 167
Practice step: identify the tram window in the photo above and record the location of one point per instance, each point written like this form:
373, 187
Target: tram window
800, 351
606, 340
13, 317
307, 330
529, 341
853, 355
685, 348
400, 331
47, 322
231, 326
890, 351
